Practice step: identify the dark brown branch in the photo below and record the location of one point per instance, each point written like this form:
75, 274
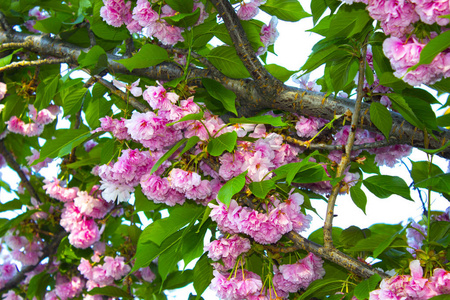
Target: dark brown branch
281, 249
4, 26
250, 100
49, 250
345, 159
16, 167
266, 84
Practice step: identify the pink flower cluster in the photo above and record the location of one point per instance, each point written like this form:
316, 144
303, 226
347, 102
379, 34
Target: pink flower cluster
264, 228
80, 210
67, 288
249, 10
236, 286
309, 127
293, 277
388, 156
25, 251
413, 286
115, 126
105, 274
404, 53
177, 187
228, 250
7, 272
41, 118
415, 236
269, 35
39, 15
144, 17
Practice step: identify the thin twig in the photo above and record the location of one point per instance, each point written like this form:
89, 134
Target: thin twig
280, 249
14, 45
133, 101
16, 167
39, 62
345, 160
47, 252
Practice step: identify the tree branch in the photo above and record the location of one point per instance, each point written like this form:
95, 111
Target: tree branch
39, 62
48, 251
16, 167
250, 101
266, 84
345, 159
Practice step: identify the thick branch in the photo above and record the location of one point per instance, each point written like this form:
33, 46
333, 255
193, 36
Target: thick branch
332, 254
250, 100
266, 84
49, 250
16, 167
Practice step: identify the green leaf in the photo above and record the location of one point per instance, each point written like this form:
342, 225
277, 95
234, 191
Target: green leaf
225, 59
226, 141
203, 274
149, 55
191, 142
15, 222
349, 20
266, 119
11, 205
388, 79
439, 183
386, 243
399, 104
279, 72
7, 59
167, 155
230, 188
45, 92
324, 55
95, 109
72, 99
321, 285
423, 110
286, 10
108, 32
419, 171
182, 6
184, 20
108, 151
190, 117
142, 203
358, 197
261, 188
167, 260
179, 216
384, 186
441, 297
145, 254
434, 151
350, 236
219, 92
38, 285
91, 57
318, 7
49, 25
178, 279
111, 291
65, 141
433, 48
443, 121
363, 289
310, 173
380, 116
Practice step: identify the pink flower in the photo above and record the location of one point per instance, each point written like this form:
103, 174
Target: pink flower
147, 274
159, 98
134, 88
269, 33
155, 187
3, 90
116, 267
304, 271
430, 11
228, 249
85, 234
248, 11
183, 181
56, 191
309, 127
116, 12
35, 155
144, 14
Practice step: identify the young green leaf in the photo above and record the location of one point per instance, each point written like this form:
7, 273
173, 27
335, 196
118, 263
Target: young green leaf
380, 116
261, 188
358, 197
219, 92
286, 10
266, 119
218, 145
149, 55
230, 188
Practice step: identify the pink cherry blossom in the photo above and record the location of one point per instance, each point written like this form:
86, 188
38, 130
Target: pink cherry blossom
133, 88
3, 90
144, 14
116, 12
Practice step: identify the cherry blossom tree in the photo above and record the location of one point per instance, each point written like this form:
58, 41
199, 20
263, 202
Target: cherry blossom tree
173, 148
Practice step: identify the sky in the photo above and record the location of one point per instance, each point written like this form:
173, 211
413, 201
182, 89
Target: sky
293, 47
